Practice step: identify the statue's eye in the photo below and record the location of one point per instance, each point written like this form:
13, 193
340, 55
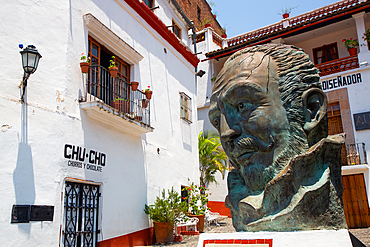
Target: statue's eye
244, 106
216, 123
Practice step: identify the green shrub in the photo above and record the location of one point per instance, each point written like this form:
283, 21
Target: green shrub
169, 209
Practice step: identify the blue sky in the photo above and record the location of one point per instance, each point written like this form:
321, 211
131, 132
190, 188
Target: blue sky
240, 16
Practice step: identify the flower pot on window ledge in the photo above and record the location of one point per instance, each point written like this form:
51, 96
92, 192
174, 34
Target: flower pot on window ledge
121, 105
134, 85
113, 71
84, 67
224, 36
352, 51
139, 118
148, 94
286, 15
207, 25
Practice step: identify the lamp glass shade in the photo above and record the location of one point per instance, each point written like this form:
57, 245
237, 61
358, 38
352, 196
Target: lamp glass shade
30, 59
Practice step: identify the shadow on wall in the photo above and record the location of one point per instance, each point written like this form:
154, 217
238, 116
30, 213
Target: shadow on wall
23, 177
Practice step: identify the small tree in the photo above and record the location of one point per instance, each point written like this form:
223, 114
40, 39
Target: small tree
211, 157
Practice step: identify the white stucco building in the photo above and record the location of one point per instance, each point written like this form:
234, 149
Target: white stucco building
84, 153
345, 79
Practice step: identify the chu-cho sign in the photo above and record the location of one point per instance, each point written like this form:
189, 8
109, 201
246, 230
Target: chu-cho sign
341, 81
80, 157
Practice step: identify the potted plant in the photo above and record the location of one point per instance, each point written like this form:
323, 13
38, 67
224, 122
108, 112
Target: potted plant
134, 85
351, 45
138, 118
197, 203
165, 213
121, 104
206, 22
366, 37
113, 70
85, 63
148, 93
223, 35
286, 11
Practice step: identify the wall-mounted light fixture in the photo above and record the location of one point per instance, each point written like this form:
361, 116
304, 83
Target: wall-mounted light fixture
30, 61
201, 73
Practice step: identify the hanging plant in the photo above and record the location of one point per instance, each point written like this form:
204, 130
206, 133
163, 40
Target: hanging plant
148, 93
134, 85
84, 64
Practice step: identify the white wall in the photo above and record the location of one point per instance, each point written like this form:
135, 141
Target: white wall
205, 85
33, 136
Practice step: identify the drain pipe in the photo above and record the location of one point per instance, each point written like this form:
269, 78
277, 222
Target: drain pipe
194, 35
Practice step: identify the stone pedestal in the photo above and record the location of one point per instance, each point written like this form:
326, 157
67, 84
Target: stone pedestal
319, 238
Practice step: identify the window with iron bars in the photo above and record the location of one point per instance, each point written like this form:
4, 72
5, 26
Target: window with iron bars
81, 211
115, 92
185, 107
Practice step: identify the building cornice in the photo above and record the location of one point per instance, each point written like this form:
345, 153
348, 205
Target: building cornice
141, 9
103, 34
305, 22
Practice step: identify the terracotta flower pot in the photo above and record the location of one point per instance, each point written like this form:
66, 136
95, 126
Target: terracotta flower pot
352, 51
145, 103
120, 105
134, 85
224, 36
148, 94
113, 71
84, 67
163, 232
207, 25
200, 224
286, 15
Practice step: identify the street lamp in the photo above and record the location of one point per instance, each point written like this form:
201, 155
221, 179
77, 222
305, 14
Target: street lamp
30, 61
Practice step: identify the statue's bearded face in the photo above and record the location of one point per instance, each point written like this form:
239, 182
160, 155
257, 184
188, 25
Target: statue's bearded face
248, 112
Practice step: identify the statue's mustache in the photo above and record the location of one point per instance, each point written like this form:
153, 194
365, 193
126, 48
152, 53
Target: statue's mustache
253, 144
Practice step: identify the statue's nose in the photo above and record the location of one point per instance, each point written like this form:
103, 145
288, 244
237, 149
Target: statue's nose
228, 130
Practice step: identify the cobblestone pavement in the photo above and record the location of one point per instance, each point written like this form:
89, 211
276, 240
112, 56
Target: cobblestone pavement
362, 234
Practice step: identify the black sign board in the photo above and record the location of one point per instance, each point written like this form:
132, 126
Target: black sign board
362, 120
42, 213
20, 214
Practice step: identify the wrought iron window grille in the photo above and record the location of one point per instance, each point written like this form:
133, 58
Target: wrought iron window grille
81, 208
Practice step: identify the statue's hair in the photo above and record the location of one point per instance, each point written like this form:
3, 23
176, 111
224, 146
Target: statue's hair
297, 74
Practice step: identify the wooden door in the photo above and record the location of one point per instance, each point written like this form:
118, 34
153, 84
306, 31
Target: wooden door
356, 206
335, 126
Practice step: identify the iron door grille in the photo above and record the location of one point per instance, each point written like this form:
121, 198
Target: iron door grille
81, 206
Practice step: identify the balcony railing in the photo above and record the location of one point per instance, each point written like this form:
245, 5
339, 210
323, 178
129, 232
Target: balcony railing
117, 93
355, 154
338, 65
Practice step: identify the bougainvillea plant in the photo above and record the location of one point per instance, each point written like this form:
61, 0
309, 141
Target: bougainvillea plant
350, 43
197, 199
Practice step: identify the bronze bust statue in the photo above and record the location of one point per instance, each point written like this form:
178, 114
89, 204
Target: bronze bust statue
270, 112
